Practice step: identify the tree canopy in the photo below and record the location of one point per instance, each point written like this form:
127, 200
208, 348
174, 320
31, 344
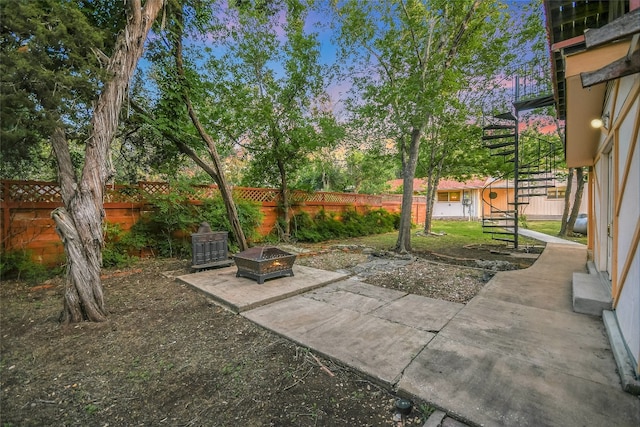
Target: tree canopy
421, 75
411, 59
51, 71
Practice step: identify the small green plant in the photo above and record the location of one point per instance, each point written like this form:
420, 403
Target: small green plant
20, 265
116, 249
91, 408
357, 394
425, 411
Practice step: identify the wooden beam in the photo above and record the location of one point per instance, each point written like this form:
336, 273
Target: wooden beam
622, 27
567, 43
616, 69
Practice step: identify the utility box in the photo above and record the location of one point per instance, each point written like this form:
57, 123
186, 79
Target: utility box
209, 249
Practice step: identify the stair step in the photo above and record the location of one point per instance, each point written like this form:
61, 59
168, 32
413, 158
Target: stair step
518, 203
490, 226
589, 296
506, 116
539, 179
501, 233
499, 136
531, 171
533, 187
499, 145
490, 127
528, 195
503, 153
505, 240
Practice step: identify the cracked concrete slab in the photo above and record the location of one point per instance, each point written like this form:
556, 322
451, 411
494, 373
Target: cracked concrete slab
376, 347
484, 387
419, 312
547, 338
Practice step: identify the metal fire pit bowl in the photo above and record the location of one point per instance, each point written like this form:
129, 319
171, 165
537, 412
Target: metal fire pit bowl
264, 262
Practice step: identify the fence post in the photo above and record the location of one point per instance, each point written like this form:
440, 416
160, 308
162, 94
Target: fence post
6, 215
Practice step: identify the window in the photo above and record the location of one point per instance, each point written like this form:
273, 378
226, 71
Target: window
556, 193
448, 196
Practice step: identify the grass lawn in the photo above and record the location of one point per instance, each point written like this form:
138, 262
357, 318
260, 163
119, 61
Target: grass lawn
453, 233
552, 228
460, 233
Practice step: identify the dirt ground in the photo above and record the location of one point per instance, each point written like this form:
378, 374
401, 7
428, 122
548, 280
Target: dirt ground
169, 356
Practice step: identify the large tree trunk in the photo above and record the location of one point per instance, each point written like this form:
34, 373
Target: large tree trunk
403, 245
433, 179
79, 222
218, 171
567, 204
286, 203
577, 200
432, 190
221, 180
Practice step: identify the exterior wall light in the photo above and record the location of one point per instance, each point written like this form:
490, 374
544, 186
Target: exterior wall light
600, 122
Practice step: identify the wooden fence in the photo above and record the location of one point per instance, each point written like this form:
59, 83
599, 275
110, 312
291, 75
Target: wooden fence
25, 219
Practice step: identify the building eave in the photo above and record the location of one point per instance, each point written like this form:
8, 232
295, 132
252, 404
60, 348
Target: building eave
585, 104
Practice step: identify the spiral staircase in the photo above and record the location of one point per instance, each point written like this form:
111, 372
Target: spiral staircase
526, 180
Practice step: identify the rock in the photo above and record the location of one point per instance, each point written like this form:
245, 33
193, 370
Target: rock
496, 265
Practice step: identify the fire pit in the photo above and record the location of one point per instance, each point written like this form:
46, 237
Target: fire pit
264, 262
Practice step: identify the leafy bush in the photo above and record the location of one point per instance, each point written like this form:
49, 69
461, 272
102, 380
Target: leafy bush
326, 226
19, 265
168, 227
116, 247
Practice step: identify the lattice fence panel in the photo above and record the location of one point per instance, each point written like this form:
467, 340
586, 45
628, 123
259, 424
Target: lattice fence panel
31, 191
392, 198
257, 194
123, 194
154, 187
302, 197
367, 199
205, 192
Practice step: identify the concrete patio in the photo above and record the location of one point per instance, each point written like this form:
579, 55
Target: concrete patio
516, 354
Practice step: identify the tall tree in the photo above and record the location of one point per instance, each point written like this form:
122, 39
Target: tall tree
415, 57
185, 81
282, 105
79, 222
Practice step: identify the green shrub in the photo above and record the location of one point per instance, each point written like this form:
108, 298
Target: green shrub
116, 247
214, 212
167, 228
19, 265
326, 226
